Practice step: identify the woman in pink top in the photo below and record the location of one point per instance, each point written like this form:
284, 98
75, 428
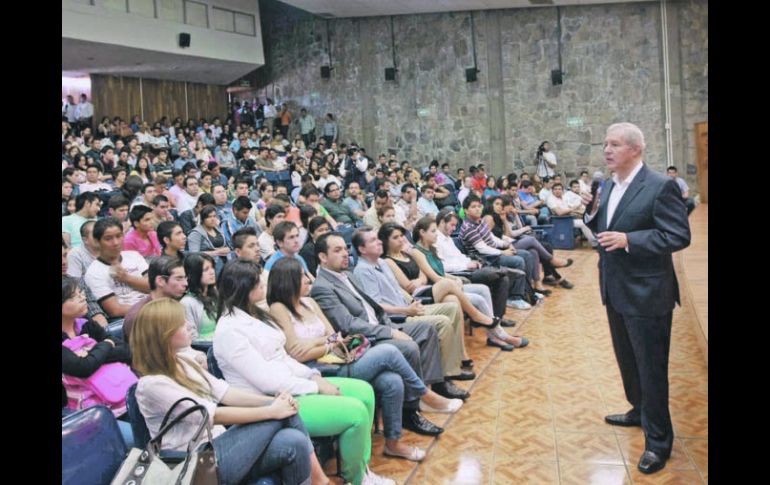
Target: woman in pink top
142, 238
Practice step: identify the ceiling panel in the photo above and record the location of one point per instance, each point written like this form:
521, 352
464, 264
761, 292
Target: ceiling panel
79, 57
370, 8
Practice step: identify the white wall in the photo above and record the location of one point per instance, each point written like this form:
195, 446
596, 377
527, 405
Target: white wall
106, 24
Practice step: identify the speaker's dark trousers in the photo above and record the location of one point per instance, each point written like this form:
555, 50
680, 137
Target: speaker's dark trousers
641, 348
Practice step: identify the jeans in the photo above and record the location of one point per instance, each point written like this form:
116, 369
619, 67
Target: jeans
394, 382
530, 266
350, 416
538, 252
518, 285
123, 426
544, 215
250, 451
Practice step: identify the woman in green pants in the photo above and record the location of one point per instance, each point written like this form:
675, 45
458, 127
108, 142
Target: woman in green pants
249, 348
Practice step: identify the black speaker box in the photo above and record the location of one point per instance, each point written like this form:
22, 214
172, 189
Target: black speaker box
184, 40
556, 77
390, 73
326, 72
470, 74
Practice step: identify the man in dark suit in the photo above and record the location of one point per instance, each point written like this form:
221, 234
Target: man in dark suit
350, 310
639, 220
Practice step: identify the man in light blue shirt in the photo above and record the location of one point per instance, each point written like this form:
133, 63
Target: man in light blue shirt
375, 277
184, 158
426, 205
355, 200
286, 237
306, 127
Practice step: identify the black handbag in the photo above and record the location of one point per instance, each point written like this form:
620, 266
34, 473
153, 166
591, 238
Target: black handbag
198, 467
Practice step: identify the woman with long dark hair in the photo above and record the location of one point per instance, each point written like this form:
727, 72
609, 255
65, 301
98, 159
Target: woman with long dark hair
143, 169
307, 335
425, 234
410, 277
200, 302
249, 347
207, 238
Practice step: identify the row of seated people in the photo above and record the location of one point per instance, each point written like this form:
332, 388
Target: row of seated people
367, 245
431, 342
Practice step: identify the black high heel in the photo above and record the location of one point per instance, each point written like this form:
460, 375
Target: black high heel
467, 363
495, 322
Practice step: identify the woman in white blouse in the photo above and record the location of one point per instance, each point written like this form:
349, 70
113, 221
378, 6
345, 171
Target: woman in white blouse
266, 436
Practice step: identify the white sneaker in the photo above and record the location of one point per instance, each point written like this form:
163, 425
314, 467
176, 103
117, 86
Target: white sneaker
372, 478
519, 304
453, 406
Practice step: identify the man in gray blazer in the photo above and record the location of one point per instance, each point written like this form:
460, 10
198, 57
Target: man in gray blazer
350, 310
639, 219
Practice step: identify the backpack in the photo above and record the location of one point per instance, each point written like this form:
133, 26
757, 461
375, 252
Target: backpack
107, 386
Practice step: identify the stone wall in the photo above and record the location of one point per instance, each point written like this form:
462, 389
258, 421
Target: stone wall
611, 58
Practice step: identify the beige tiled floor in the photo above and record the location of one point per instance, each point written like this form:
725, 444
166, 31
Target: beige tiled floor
536, 414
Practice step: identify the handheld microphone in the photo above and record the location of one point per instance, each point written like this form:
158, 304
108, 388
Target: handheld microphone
594, 193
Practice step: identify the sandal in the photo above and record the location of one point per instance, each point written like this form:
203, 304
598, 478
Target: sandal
566, 284
569, 263
415, 454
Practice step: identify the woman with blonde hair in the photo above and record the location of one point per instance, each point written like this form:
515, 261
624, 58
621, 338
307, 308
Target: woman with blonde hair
266, 434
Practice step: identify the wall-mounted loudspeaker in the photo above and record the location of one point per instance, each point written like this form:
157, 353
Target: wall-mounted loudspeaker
390, 73
556, 77
184, 40
326, 72
470, 74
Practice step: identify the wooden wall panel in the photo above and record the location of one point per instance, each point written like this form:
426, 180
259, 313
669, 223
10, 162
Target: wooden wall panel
115, 96
207, 101
120, 96
163, 98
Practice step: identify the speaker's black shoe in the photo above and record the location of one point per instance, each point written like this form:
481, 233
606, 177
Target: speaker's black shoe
650, 462
414, 421
450, 391
627, 419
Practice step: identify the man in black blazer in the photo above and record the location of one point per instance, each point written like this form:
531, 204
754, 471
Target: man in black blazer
639, 220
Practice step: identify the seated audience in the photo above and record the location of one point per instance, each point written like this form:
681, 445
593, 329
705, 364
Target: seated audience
249, 348
265, 435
